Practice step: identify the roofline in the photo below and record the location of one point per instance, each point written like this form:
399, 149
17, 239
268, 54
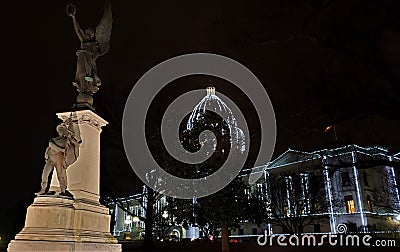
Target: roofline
312, 162
319, 154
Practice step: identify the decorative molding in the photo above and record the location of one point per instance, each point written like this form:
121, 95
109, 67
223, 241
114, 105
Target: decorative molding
84, 117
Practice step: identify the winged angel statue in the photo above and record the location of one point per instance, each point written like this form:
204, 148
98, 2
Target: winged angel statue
93, 45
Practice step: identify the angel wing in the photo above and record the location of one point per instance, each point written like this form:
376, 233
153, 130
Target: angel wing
103, 30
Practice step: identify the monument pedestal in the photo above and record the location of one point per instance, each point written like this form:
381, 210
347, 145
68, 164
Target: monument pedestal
59, 223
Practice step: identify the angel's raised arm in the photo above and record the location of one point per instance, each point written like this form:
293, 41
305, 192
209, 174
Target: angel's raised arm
79, 31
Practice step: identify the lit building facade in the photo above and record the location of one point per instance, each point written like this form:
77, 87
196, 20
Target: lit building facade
129, 214
352, 185
357, 186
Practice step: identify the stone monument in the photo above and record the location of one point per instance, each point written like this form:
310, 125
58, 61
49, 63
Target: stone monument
67, 215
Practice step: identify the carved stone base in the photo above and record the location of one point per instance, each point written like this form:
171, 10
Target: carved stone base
41, 246
55, 223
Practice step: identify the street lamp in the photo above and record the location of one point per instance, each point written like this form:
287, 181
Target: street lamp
136, 227
128, 221
135, 219
165, 215
163, 222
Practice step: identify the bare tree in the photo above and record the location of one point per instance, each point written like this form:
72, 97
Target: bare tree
154, 207
295, 200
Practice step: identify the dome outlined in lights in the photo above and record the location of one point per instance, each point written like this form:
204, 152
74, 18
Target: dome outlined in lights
211, 102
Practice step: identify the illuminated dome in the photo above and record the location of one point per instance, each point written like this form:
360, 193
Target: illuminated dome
212, 103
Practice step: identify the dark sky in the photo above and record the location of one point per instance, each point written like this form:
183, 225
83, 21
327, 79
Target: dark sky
321, 62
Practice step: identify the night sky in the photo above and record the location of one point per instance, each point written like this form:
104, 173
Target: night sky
321, 62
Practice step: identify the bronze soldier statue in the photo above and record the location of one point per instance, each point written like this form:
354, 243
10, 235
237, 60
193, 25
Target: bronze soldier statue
61, 152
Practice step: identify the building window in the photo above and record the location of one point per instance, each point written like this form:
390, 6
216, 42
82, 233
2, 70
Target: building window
254, 231
365, 178
241, 231
289, 192
345, 179
305, 190
286, 210
247, 193
317, 228
349, 204
369, 202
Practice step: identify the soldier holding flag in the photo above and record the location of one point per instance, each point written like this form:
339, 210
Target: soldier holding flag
61, 152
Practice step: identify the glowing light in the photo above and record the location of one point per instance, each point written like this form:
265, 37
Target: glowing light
165, 214
357, 182
328, 128
128, 220
305, 191
288, 190
329, 189
350, 206
210, 91
115, 218
395, 185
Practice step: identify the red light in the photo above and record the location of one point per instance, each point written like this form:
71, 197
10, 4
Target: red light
328, 128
